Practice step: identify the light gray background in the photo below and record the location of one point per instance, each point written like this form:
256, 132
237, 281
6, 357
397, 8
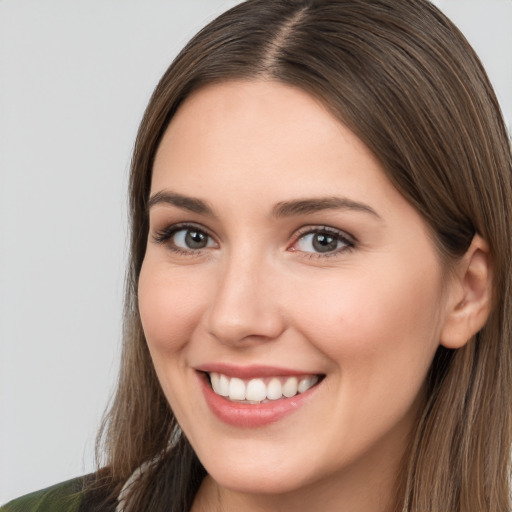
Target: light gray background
75, 76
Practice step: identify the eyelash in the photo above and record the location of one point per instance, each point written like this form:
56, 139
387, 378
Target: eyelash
338, 235
164, 237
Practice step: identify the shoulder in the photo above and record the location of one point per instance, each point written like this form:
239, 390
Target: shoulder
63, 497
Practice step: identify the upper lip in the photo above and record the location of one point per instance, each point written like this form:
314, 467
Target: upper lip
251, 371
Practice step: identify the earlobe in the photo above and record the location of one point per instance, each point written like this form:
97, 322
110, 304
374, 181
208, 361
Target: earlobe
470, 295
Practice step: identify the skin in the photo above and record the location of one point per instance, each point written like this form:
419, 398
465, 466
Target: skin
368, 315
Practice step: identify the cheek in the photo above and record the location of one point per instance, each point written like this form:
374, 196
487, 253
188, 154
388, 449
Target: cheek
170, 305
383, 324
380, 332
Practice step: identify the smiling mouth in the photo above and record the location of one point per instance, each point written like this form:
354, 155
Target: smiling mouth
260, 390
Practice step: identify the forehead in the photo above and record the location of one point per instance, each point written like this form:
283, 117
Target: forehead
241, 132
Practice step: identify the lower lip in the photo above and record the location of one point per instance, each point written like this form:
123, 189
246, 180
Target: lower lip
251, 415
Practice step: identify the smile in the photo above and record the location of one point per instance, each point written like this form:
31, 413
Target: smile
256, 396
260, 390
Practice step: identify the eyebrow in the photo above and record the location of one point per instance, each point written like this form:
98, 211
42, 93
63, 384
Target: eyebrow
192, 204
305, 206
281, 209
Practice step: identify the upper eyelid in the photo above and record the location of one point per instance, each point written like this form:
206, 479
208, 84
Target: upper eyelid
177, 226
318, 228
169, 230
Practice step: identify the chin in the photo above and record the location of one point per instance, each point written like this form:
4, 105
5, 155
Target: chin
262, 473
257, 481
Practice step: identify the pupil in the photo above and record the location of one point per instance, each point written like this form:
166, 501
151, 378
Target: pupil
324, 243
195, 239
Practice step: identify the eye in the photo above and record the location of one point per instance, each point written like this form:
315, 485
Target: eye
185, 238
323, 241
192, 238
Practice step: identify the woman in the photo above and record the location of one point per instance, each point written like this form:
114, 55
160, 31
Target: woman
318, 304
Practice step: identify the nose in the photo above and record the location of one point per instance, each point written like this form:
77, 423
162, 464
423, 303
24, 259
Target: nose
245, 309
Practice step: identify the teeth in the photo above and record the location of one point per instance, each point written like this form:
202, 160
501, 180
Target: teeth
220, 384
223, 385
214, 379
290, 387
257, 391
274, 389
306, 383
236, 389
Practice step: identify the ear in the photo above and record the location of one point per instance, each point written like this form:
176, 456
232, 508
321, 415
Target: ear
469, 296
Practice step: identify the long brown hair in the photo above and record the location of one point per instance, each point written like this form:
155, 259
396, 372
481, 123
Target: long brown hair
402, 77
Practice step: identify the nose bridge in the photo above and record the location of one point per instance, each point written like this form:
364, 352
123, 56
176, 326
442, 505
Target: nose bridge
244, 306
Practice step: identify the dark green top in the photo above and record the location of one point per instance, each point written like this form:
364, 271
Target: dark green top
63, 497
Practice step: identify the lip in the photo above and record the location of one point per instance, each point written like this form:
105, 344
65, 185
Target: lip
251, 415
249, 372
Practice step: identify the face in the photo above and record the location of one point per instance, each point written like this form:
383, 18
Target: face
284, 269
